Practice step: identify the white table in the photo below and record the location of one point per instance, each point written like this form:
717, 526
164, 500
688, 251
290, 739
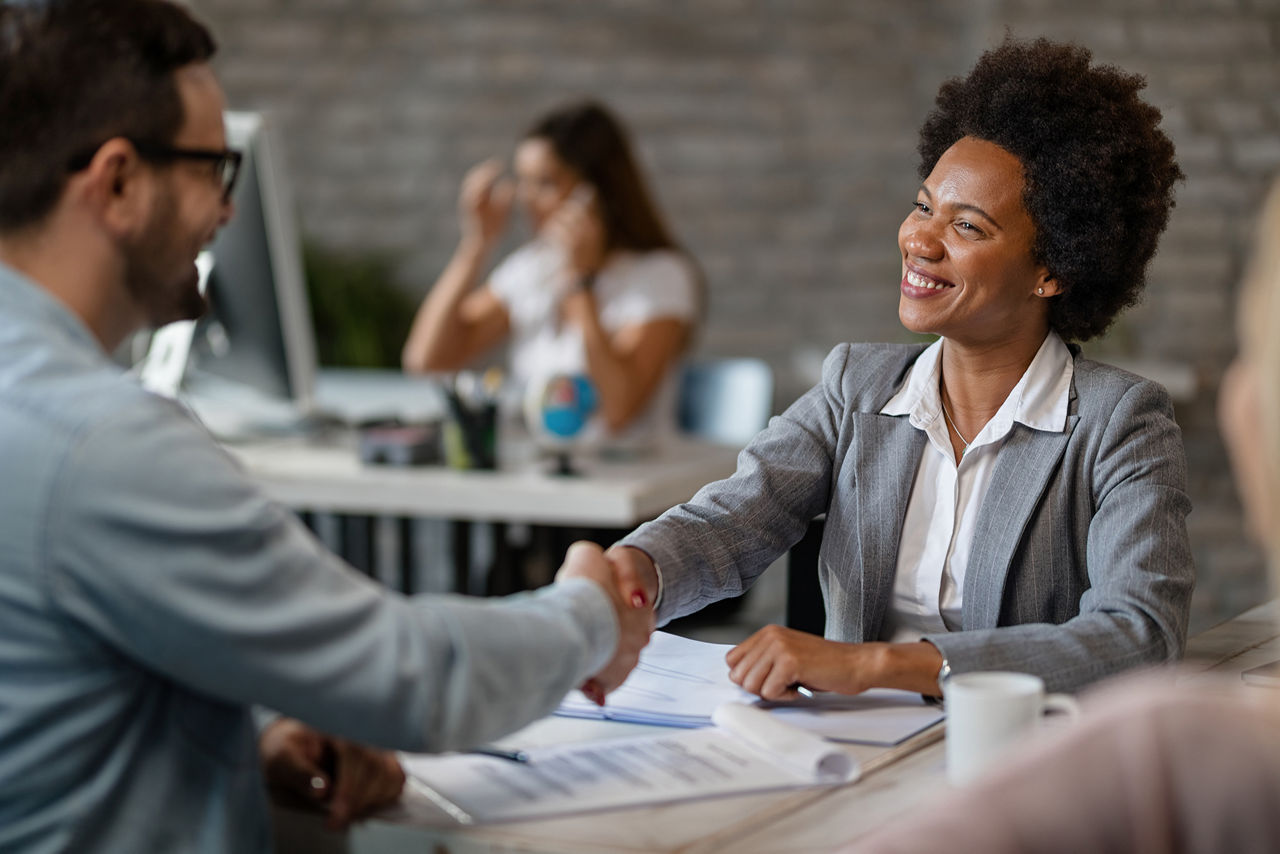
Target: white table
366, 512
795, 821
367, 509
327, 476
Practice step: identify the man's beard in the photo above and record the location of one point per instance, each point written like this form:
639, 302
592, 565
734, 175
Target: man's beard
154, 269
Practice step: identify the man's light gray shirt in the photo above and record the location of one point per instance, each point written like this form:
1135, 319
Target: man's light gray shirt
149, 593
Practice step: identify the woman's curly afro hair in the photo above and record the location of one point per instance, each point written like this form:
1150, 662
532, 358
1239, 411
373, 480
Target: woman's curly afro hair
1099, 172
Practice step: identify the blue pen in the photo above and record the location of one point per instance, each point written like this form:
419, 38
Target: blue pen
499, 753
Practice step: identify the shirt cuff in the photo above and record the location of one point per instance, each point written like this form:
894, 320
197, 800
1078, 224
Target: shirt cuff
263, 718
592, 609
657, 600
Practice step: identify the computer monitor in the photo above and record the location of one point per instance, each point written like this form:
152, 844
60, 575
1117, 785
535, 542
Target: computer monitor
256, 346
165, 365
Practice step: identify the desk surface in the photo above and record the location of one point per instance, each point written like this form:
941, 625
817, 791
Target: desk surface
329, 477
794, 821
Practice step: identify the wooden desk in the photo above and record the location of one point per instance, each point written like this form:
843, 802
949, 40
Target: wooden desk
795, 821
846, 813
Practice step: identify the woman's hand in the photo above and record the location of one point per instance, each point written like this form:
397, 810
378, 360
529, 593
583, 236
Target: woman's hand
578, 229
484, 203
774, 661
578, 308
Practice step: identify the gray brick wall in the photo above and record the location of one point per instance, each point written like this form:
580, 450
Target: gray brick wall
780, 138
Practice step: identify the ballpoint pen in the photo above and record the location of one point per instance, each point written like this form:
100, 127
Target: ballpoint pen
499, 753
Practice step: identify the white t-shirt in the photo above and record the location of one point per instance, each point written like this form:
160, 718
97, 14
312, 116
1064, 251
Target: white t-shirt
632, 288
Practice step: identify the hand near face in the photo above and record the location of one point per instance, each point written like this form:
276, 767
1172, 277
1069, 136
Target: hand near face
301, 764
633, 610
578, 229
774, 660
577, 308
484, 202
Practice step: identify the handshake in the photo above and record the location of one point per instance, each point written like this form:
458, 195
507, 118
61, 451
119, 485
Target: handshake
630, 579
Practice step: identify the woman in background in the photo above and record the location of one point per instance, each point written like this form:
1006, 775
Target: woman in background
601, 289
1153, 768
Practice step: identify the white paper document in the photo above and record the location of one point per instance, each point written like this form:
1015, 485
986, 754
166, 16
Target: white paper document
748, 750
678, 682
879, 716
681, 682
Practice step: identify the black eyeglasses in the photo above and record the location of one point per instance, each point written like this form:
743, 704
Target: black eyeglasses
226, 163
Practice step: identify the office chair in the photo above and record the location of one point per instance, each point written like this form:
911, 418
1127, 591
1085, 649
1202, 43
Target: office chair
726, 401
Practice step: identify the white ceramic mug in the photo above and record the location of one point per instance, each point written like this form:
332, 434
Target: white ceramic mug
989, 711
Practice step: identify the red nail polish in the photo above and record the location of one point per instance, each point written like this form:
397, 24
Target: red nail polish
637, 600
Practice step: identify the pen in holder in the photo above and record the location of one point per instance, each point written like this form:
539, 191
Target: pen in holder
471, 430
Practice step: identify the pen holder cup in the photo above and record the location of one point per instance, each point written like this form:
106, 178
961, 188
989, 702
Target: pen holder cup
471, 437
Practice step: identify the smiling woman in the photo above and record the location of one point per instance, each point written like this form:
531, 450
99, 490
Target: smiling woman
969, 273
993, 500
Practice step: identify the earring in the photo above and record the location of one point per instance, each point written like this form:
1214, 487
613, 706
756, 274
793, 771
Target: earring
1040, 291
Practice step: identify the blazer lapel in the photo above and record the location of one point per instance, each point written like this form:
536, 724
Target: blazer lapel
1027, 461
887, 455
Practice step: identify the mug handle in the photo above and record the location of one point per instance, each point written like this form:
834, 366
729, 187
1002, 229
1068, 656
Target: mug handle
1064, 703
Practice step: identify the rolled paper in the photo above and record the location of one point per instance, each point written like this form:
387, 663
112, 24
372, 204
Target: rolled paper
803, 752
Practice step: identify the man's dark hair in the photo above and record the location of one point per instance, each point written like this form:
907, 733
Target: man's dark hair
76, 73
1099, 171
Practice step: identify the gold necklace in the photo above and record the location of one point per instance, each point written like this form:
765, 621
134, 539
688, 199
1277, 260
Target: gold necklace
947, 415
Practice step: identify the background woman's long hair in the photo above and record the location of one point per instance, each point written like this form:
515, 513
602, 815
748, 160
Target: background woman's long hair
589, 139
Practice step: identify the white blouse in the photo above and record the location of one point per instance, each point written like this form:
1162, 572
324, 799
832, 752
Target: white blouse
946, 498
633, 288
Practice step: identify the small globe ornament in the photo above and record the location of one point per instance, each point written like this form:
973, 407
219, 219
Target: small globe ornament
558, 410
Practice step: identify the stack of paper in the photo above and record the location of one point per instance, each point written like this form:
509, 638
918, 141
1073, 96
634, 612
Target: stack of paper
680, 682
747, 751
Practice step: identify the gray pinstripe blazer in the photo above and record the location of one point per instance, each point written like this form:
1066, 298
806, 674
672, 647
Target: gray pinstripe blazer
1081, 567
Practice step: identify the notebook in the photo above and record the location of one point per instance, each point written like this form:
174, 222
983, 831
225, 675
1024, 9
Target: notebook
681, 682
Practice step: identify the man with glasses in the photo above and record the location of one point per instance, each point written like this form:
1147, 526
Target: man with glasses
149, 594
225, 164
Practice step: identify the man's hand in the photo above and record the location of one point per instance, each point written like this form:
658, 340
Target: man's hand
633, 609
301, 764
364, 780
